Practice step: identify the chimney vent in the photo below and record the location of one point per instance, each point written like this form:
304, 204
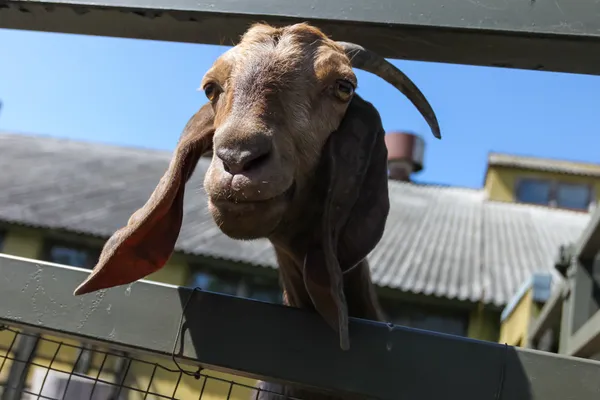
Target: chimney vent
405, 154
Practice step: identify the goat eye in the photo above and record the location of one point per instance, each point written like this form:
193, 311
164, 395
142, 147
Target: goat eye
344, 89
210, 90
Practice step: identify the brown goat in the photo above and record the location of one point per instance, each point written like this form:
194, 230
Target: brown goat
298, 158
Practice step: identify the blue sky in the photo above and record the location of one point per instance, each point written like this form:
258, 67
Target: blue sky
141, 93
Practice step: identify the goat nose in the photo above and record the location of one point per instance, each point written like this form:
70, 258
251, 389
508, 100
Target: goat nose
245, 156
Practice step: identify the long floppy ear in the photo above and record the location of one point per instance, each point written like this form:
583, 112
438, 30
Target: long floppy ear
354, 162
145, 244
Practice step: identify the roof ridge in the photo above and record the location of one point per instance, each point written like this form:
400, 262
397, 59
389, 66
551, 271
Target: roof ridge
92, 143
433, 185
528, 157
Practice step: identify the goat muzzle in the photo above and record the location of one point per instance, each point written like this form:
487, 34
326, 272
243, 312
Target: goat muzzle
366, 60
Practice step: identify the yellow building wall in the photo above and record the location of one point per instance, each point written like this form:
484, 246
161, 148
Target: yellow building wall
483, 325
175, 272
514, 329
28, 243
23, 242
500, 181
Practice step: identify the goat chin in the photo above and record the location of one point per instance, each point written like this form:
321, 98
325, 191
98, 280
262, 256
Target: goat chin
248, 220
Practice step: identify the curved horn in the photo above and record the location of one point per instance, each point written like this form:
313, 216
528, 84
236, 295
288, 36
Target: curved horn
366, 60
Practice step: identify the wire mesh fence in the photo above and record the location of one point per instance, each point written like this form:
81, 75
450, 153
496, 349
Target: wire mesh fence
42, 366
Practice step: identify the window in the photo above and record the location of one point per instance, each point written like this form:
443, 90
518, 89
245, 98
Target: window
235, 283
534, 191
264, 289
573, 196
56, 384
428, 318
216, 281
554, 194
71, 254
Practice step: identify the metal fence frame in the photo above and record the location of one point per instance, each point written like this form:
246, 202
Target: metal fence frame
558, 35
281, 344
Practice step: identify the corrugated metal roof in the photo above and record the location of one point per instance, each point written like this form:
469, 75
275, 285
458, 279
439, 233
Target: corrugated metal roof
544, 164
442, 241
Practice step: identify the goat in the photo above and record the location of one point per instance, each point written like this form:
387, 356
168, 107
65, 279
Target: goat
298, 158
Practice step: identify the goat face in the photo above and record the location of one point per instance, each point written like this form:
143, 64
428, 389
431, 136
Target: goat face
276, 98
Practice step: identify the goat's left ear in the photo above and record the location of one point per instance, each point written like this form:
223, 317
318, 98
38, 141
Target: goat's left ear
145, 244
359, 182
355, 210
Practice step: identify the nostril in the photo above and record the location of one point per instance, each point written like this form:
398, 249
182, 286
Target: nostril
226, 167
244, 157
256, 162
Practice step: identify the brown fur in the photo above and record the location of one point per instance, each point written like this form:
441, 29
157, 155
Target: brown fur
319, 193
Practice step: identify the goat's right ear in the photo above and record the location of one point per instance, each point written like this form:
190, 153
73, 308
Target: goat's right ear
145, 244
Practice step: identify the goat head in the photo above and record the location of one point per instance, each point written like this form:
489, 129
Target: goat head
298, 158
